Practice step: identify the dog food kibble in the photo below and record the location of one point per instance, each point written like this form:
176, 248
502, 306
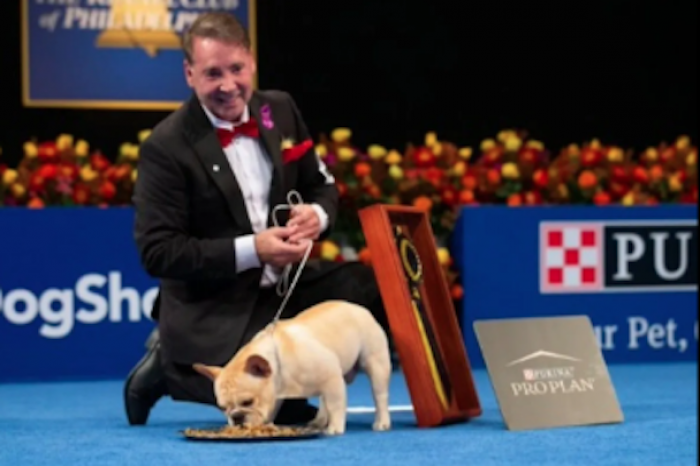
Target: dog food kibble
233, 432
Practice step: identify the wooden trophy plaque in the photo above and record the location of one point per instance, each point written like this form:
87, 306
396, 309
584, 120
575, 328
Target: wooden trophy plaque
421, 314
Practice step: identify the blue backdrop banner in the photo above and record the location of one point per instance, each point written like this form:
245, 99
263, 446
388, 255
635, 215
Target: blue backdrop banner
74, 300
633, 271
112, 53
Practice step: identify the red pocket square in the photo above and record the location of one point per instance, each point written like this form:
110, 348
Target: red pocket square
293, 153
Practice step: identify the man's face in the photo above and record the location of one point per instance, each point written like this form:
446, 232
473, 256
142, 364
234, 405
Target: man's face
221, 75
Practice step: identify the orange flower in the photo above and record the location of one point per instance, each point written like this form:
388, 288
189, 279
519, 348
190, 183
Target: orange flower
515, 200
457, 292
362, 169
36, 203
466, 197
423, 203
493, 177
656, 173
469, 182
587, 180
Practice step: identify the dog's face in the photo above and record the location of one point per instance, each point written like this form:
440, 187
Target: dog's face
244, 389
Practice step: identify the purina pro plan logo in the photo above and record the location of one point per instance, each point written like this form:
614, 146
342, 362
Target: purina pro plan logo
609, 256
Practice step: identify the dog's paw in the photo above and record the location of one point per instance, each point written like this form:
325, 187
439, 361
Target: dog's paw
381, 426
335, 430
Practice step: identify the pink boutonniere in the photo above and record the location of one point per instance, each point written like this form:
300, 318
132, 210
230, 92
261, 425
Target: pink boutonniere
290, 152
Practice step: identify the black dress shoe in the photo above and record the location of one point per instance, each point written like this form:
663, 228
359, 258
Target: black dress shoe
295, 412
145, 384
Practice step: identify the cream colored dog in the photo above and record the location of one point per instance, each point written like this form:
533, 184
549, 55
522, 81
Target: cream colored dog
313, 354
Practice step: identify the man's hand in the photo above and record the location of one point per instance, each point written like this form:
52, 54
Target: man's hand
305, 221
274, 246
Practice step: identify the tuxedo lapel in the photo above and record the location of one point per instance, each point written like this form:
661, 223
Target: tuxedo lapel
271, 139
208, 148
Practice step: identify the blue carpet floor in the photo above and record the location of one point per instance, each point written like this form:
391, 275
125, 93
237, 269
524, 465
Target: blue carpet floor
83, 424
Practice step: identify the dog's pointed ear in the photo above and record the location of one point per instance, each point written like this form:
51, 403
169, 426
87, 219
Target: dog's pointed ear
258, 366
210, 372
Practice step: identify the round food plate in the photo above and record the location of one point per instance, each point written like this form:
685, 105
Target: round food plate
266, 433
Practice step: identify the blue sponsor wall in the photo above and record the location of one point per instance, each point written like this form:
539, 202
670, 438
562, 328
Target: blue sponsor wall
75, 302
649, 320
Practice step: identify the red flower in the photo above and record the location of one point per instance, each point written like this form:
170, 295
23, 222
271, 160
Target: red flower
424, 157
48, 171
294, 153
107, 190
601, 198
81, 194
99, 162
47, 152
541, 178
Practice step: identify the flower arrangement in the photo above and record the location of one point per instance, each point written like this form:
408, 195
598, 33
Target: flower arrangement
66, 172
435, 176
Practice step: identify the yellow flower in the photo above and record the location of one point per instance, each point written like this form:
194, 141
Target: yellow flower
674, 183
129, 151
321, 150
616, 155
513, 144
31, 151
595, 144
345, 154
537, 145
82, 148
510, 171
18, 190
683, 143
341, 134
628, 200
143, 134
329, 250
466, 153
459, 168
652, 154
563, 191
431, 139
503, 136
692, 159
287, 144
487, 144
395, 172
437, 149
376, 152
9, 177
393, 158
443, 256
64, 141
134, 175
88, 174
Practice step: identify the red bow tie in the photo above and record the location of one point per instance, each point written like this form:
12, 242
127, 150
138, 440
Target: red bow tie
249, 129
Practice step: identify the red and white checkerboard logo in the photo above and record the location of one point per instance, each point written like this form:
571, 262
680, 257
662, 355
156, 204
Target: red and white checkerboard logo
571, 257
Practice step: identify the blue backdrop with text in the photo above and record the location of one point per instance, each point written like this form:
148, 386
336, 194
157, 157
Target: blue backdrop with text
632, 270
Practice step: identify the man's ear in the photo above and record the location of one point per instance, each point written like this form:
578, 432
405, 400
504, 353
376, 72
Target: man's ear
257, 366
210, 372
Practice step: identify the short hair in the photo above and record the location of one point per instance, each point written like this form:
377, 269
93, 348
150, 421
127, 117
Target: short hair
218, 25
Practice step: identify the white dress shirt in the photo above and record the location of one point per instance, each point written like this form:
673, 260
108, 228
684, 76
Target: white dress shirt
253, 171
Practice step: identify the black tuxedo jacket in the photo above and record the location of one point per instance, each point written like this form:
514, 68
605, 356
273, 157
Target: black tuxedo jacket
189, 209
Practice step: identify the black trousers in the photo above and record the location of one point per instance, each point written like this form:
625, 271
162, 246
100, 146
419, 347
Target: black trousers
352, 282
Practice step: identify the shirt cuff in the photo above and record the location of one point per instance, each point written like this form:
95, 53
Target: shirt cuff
322, 215
246, 255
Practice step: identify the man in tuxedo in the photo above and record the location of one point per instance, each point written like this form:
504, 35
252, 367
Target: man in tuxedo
209, 177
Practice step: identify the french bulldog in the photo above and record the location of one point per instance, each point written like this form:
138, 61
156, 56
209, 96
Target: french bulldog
314, 354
